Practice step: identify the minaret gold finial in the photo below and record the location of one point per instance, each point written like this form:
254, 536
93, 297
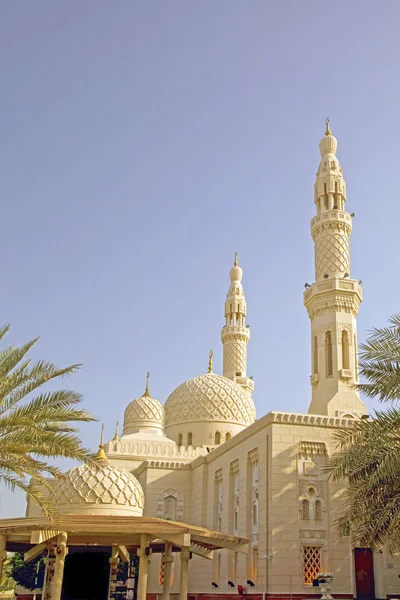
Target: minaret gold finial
236, 263
327, 122
116, 436
210, 361
101, 455
146, 392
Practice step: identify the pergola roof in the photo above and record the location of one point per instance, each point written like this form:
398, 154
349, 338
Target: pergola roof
104, 531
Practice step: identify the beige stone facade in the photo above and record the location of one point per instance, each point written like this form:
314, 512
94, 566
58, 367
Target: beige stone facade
203, 458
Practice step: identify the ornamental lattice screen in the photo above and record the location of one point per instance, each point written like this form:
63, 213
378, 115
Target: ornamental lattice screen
311, 563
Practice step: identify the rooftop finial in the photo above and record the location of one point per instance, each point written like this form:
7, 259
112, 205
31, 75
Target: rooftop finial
116, 436
101, 455
210, 362
327, 122
146, 392
236, 260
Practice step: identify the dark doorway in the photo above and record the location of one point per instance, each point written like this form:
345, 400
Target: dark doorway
86, 576
364, 571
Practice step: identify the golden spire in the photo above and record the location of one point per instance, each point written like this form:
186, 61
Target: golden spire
116, 436
327, 131
146, 392
101, 455
236, 263
210, 361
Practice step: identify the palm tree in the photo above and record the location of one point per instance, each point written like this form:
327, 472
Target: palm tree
35, 429
369, 452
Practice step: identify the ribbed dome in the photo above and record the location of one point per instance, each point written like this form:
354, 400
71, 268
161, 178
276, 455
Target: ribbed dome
100, 488
328, 145
144, 412
209, 397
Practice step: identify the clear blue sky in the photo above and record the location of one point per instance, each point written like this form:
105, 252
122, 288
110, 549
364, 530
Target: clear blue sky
142, 143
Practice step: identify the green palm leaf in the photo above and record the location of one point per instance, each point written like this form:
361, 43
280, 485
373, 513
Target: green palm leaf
34, 430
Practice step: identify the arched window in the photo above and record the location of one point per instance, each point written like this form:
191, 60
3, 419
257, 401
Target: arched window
315, 355
328, 354
169, 512
355, 359
255, 513
305, 509
180, 439
190, 438
218, 437
345, 350
318, 510
228, 436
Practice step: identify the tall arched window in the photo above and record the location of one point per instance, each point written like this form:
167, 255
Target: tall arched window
180, 439
305, 510
355, 358
228, 436
328, 354
255, 513
345, 350
318, 510
315, 355
218, 437
190, 438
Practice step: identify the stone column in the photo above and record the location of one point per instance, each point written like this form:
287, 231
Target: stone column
185, 555
3, 552
167, 559
113, 570
61, 552
143, 566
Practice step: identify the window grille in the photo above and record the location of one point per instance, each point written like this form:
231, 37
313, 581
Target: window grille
305, 509
345, 350
318, 509
161, 575
311, 563
315, 356
328, 354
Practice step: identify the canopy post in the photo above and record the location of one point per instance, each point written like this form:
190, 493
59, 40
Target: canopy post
167, 559
61, 552
143, 552
185, 555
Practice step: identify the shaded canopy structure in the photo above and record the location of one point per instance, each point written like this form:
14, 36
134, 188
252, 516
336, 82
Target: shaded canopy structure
118, 535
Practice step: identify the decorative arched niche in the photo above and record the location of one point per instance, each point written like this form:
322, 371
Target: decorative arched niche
170, 505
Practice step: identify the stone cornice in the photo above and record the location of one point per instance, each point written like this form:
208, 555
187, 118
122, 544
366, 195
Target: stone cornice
161, 464
274, 418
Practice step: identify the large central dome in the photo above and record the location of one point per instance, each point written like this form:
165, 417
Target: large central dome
211, 399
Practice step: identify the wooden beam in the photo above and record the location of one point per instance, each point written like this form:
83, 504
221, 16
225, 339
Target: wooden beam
34, 552
123, 554
221, 543
182, 539
201, 551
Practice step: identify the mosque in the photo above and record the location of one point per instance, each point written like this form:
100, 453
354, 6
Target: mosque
205, 458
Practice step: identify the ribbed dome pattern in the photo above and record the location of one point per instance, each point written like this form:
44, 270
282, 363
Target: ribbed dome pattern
144, 411
209, 397
103, 484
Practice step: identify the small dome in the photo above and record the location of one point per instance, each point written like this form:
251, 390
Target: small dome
328, 145
209, 397
143, 413
236, 272
99, 489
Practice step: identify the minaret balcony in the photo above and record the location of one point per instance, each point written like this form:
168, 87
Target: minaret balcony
331, 215
334, 284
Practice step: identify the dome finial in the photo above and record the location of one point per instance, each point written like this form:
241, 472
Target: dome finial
146, 392
101, 455
210, 362
327, 130
236, 263
116, 436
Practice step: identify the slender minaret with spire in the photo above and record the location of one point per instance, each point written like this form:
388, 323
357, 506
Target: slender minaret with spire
235, 335
333, 300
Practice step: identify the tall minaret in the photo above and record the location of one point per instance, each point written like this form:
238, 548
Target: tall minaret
235, 334
333, 300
